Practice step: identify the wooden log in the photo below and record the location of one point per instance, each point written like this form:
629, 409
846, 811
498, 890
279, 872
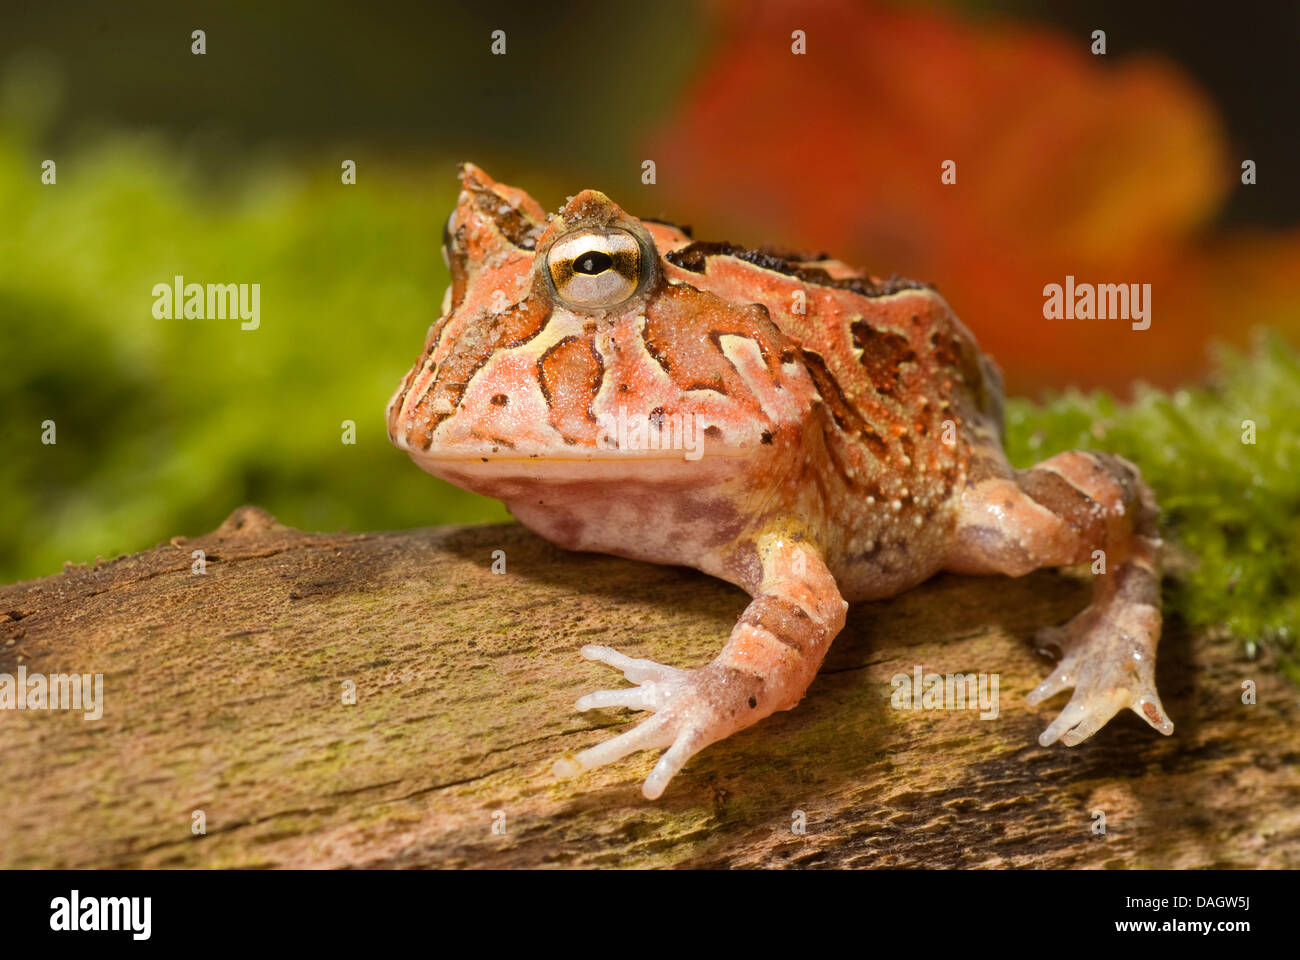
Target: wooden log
224, 693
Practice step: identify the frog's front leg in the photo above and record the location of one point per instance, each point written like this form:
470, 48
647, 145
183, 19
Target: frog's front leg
1057, 514
774, 652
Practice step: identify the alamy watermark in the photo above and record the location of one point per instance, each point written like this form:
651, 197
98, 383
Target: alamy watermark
1098, 301
946, 691
58, 691
213, 301
656, 430
130, 914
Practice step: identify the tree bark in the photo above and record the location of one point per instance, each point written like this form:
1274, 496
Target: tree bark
225, 693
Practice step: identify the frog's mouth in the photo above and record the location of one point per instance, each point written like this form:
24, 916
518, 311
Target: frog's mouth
492, 473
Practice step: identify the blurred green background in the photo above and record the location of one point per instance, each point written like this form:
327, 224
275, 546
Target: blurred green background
225, 168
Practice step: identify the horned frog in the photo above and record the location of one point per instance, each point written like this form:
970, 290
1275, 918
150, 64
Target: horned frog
793, 426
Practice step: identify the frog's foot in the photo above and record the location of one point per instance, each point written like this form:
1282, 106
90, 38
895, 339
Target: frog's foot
691, 709
1108, 657
1078, 507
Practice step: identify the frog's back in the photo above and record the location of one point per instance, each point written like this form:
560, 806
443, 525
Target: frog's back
912, 406
889, 358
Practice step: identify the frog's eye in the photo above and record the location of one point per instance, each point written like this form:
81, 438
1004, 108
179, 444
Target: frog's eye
595, 268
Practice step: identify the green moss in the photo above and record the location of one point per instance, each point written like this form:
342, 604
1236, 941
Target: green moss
1231, 504
165, 426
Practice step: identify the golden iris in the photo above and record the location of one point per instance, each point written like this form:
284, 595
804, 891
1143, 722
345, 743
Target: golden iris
595, 268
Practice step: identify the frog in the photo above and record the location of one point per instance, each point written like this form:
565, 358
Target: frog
798, 427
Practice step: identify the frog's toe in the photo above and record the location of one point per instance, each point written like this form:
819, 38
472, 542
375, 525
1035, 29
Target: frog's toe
1058, 680
657, 731
634, 698
655, 686
692, 709
1090, 709
636, 670
664, 729
1083, 716
687, 744
649, 734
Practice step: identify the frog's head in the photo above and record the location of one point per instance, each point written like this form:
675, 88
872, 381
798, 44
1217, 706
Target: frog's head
568, 347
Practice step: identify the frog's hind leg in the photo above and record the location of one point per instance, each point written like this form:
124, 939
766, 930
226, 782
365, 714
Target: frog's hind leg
1062, 512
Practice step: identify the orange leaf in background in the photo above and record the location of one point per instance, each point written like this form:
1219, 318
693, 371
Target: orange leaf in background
1106, 169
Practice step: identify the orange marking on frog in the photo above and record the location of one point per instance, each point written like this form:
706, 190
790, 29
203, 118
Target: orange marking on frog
682, 332
440, 391
570, 374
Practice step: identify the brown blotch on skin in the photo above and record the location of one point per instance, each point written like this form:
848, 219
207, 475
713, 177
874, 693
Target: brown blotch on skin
719, 516
785, 620
566, 530
847, 417
715, 385
570, 373
1073, 506
435, 335
907, 445
883, 355
500, 400
422, 436
458, 263
743, 565
477, 344
962, 358
695, 258
727, 685
945, 350
510, 222
950, 475
865, 556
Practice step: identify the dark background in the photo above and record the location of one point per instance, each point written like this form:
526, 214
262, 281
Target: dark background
397, 75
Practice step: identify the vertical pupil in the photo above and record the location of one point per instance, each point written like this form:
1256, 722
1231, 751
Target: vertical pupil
593, 262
